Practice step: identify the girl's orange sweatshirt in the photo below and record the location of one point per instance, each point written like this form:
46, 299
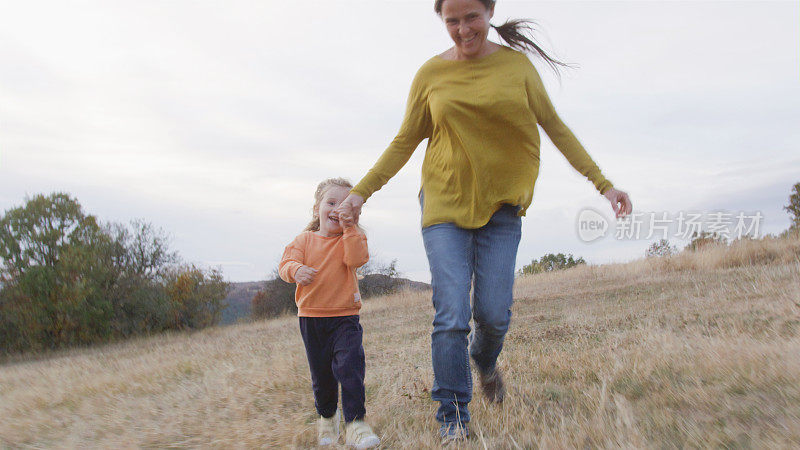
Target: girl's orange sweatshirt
334, 291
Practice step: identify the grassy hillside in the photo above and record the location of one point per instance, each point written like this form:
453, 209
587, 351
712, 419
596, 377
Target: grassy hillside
697, 350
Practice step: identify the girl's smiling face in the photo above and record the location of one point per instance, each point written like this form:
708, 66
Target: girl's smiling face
328, 220
467, 22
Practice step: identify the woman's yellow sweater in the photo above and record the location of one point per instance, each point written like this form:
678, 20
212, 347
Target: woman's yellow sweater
479, 117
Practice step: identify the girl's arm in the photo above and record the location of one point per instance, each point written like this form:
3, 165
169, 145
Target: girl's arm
293, 258
356, 253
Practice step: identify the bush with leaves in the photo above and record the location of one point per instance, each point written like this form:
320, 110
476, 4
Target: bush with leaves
274, 299
378, 278
66, 280
551, 262
195, 296
660, 249
377, 266
793, 208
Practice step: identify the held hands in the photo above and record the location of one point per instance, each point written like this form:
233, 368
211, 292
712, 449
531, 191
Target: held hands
305, 275
620, 202
349, 210
346, 220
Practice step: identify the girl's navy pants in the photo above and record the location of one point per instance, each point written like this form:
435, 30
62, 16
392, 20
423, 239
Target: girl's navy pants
335, 357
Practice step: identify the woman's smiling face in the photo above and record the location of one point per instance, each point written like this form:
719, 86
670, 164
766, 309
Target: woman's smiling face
467, 22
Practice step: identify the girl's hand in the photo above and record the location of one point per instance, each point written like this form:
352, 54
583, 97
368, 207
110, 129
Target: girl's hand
346, 219
620, 202
305, 275
350, 209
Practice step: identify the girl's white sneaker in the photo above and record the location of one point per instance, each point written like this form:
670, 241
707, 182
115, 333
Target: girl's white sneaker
359, 435
328, 430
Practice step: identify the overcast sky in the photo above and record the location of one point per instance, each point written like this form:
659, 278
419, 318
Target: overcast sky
216, 120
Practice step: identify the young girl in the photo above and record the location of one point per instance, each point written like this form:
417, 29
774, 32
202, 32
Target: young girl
323, 261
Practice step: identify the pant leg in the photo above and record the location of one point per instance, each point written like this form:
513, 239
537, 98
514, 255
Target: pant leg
496, 246
320, 357
450, 256
348, 365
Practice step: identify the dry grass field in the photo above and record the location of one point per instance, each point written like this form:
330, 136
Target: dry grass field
696, 350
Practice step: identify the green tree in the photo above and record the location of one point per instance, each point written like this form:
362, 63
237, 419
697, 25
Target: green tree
37, 233
550, 262
48, 273
147, 249
66, 280
196, 295
140, 257
793, 208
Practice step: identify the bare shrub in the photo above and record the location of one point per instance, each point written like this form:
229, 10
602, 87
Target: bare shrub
274, 299
661, 248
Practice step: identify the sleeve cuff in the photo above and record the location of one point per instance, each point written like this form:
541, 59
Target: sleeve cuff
604, 186
358, 191
351, 231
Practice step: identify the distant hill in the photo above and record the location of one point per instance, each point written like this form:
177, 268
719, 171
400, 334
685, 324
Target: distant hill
238, 301
242, 293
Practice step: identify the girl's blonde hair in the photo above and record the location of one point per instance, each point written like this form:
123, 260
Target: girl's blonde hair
320, 192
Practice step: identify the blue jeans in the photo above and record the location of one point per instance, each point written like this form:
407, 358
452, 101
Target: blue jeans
484, 259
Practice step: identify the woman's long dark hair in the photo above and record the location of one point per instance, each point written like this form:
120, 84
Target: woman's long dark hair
517, 33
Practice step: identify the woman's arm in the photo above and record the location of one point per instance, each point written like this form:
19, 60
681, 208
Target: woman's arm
566, 142
416, 126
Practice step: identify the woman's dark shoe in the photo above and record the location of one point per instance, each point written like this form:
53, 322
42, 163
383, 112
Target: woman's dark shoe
453, 433
492, 385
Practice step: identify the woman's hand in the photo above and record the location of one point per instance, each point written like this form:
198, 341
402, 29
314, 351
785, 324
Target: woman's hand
620, 202
305, 275
350, 209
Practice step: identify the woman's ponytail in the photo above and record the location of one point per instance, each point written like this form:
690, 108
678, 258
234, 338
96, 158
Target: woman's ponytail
516, 34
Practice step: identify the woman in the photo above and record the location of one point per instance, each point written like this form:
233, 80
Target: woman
478, 104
